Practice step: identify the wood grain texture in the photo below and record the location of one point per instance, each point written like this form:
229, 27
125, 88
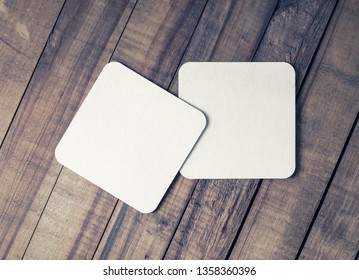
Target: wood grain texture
218, 207
152, 27
81, 43
307, 20
135, 236
69, 201
156, 37
335, 232
228, 31
132, 235
326, 108
48, 212
23, 33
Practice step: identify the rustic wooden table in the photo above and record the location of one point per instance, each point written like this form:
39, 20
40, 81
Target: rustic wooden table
51, 54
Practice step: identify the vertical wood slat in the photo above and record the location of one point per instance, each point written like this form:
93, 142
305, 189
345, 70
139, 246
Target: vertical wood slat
81, 43
218, 207
131, 235
152, 27
327, 105
335, 231
23, 33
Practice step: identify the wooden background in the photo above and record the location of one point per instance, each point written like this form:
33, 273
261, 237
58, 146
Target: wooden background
51, 54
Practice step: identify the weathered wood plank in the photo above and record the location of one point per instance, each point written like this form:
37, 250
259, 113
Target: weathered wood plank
131, 235
81, 43
152, 44
327, 106
157, 36
307, 19
227, 33
70, 201
24, 29
335, 231
217, 208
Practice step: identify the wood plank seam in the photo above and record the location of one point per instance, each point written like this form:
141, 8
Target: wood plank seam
184, 51
335, 231
32, 74
299, 89
87, 219
42, 212
244, 220
113, 232
178, 223
14, 48
104, 230
262, 36
123, 30
327, 188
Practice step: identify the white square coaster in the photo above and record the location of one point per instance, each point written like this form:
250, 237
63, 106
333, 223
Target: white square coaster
250, 110
130, 137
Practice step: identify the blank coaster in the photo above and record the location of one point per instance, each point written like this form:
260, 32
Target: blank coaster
250, 110
130, 137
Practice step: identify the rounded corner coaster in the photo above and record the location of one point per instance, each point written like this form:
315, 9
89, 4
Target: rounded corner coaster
250, 109
130, 137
